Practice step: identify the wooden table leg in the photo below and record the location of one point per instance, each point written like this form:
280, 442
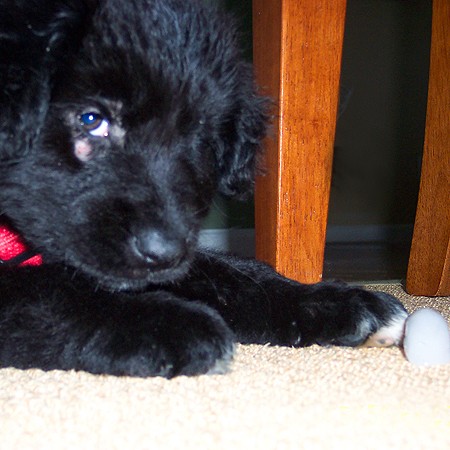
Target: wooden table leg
297, 58
429, 263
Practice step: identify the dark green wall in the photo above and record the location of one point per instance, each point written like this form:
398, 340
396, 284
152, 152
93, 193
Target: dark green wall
227, 213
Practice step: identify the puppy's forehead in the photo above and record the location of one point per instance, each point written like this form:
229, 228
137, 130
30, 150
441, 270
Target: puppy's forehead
170, 35
115, 107
157, 59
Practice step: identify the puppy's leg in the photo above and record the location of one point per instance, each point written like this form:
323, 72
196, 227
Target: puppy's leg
262, 306
50, 320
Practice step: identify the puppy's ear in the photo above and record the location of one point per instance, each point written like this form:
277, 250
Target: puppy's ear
37, 38
241, 145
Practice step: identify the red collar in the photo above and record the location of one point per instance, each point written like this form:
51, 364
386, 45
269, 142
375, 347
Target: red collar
13, 251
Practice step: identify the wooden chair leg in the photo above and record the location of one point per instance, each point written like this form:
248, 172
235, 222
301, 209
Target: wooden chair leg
429, 263
297, 58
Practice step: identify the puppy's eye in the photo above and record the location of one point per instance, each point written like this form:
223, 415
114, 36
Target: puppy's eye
95, 124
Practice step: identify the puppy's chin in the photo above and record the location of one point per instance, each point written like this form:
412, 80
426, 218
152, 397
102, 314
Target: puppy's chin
131, 279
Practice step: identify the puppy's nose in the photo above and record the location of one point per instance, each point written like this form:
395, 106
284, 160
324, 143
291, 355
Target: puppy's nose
158, 249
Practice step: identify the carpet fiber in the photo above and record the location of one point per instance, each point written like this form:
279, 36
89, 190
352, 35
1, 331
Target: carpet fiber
273, 398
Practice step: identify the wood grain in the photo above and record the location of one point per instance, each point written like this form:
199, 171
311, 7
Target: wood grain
297, 58
429, 264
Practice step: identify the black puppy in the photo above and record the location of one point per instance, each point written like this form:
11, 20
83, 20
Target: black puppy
119, 122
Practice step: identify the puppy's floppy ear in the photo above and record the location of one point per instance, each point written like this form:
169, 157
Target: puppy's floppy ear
241, 138
36, 39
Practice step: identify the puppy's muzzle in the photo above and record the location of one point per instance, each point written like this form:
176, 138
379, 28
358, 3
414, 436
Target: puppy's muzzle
157, 249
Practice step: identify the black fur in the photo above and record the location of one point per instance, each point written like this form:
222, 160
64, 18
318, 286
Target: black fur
119, 122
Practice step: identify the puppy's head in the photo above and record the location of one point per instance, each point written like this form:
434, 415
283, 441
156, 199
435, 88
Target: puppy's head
152, 115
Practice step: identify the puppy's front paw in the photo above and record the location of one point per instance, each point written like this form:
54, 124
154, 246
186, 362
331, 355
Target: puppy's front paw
161, 338
391, 328
378, 321
346, 316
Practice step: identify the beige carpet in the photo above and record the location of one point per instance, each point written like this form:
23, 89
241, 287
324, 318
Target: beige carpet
274, 398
